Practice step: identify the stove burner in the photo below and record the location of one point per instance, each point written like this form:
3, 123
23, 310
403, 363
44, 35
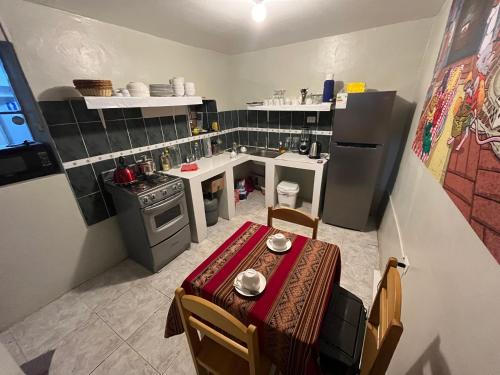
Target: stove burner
146, 183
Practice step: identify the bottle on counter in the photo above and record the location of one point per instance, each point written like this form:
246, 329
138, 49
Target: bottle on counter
328, 88
197, 152
281, 148
215, 146
165, 161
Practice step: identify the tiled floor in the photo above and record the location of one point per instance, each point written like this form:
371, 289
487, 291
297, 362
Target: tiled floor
114, 323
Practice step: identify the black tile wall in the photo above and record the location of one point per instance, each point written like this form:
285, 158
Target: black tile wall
324, 140
93, 208
274, 119
153, 129
325, 121
69, 142
262, 119
298, 120
230, 139
83, 114
95, 138
273, 140
137, 132
243, 137
242, 118
168, 127
113, 114
228, 115
234, 119
211, 105
262, 139
185, 149
132, 112
222, 120
182, 127
252, 119
58, 112
83, 181
100, 167
253, 138
285, 120
78, 134
211, 118
118, 135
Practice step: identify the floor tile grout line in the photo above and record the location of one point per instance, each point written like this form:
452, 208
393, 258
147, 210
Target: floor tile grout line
140, 355
140, 325
121, 343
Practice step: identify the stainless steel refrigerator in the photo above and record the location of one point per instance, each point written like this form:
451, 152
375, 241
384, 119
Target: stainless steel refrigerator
367, 141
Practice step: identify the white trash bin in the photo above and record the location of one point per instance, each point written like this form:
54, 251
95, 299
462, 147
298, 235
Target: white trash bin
287, 193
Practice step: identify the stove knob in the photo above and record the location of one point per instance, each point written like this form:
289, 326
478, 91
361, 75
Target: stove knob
145, 200
164, 192
152, 197
179, 185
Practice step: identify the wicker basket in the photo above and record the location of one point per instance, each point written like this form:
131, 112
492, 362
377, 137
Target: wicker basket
95, 91
89, 87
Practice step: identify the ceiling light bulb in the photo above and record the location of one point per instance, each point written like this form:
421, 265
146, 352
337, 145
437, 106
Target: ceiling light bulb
259, 12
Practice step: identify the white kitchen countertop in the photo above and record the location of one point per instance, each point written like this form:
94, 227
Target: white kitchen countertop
297, 158
208, 167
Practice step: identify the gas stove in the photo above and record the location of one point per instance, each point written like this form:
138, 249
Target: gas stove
149, 189
152, 213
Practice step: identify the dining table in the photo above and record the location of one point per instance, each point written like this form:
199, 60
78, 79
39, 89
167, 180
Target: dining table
288, 313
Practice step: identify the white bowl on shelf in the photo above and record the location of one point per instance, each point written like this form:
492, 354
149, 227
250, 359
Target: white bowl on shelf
137, 86
139, 93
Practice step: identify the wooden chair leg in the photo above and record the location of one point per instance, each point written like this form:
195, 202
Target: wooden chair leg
269, 216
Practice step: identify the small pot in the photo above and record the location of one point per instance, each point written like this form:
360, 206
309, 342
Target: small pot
146, 166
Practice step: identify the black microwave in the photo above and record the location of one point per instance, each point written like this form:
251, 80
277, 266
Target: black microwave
26, 161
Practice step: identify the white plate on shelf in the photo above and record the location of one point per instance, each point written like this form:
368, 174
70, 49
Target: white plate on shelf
271, 247
245, 292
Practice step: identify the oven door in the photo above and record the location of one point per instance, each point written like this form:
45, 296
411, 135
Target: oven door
165, 218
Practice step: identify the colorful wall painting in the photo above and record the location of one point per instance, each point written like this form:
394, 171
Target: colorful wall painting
458, 135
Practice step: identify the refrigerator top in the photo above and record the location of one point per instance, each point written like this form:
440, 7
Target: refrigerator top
366, 119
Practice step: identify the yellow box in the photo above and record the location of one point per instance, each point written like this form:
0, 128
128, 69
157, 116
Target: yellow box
355, 87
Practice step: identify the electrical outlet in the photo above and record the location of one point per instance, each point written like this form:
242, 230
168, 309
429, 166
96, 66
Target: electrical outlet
406, 262
311, 120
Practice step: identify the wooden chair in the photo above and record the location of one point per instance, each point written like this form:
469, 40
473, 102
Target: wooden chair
384, 327
292, 216
341, 338
217, 353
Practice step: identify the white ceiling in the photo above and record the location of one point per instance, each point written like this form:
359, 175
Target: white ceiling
226, 25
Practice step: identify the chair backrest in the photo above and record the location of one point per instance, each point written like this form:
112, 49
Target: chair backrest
196, 312
384, 327
292, 216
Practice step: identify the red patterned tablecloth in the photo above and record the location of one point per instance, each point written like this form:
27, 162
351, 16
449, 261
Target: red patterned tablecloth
288, 314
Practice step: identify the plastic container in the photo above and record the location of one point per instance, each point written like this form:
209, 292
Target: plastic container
328, 88
211, 211
287, 193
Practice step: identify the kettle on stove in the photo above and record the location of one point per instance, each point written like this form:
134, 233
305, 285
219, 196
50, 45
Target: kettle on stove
123, 174
315, 150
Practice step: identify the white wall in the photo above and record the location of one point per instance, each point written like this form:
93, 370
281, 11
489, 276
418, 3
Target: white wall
451, 294
56, 47
46, 247
386, 58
